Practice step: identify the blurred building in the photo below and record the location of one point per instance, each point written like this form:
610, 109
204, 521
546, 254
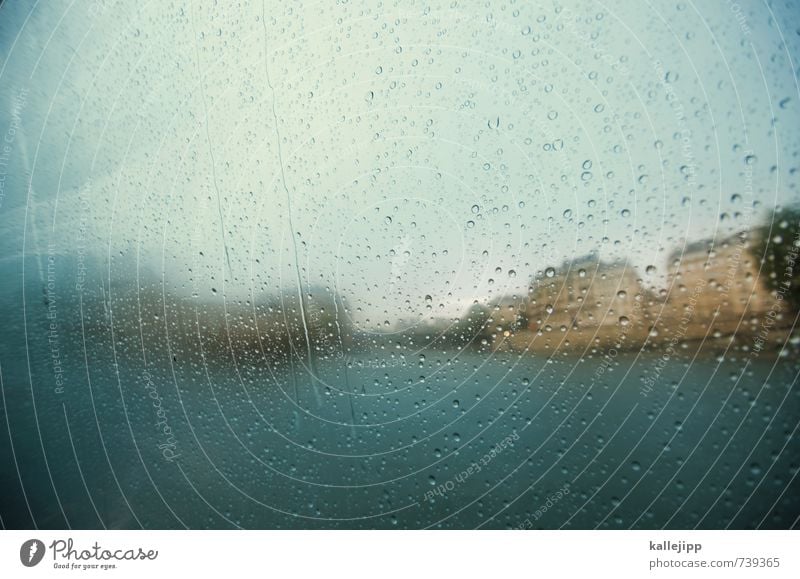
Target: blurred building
716, 288
588, 301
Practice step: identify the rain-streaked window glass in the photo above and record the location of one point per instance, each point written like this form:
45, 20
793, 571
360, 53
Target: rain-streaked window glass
501, 265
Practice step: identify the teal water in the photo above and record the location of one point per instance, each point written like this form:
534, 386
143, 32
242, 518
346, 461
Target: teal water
381, 440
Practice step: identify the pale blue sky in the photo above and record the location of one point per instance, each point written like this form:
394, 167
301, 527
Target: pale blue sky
427, 150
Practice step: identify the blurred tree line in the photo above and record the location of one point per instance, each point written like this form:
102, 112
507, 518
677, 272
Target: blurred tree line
777, 245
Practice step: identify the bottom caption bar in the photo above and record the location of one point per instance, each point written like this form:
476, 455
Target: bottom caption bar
354, 554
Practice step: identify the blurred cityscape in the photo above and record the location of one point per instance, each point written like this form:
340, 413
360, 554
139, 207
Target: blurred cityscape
741, 288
